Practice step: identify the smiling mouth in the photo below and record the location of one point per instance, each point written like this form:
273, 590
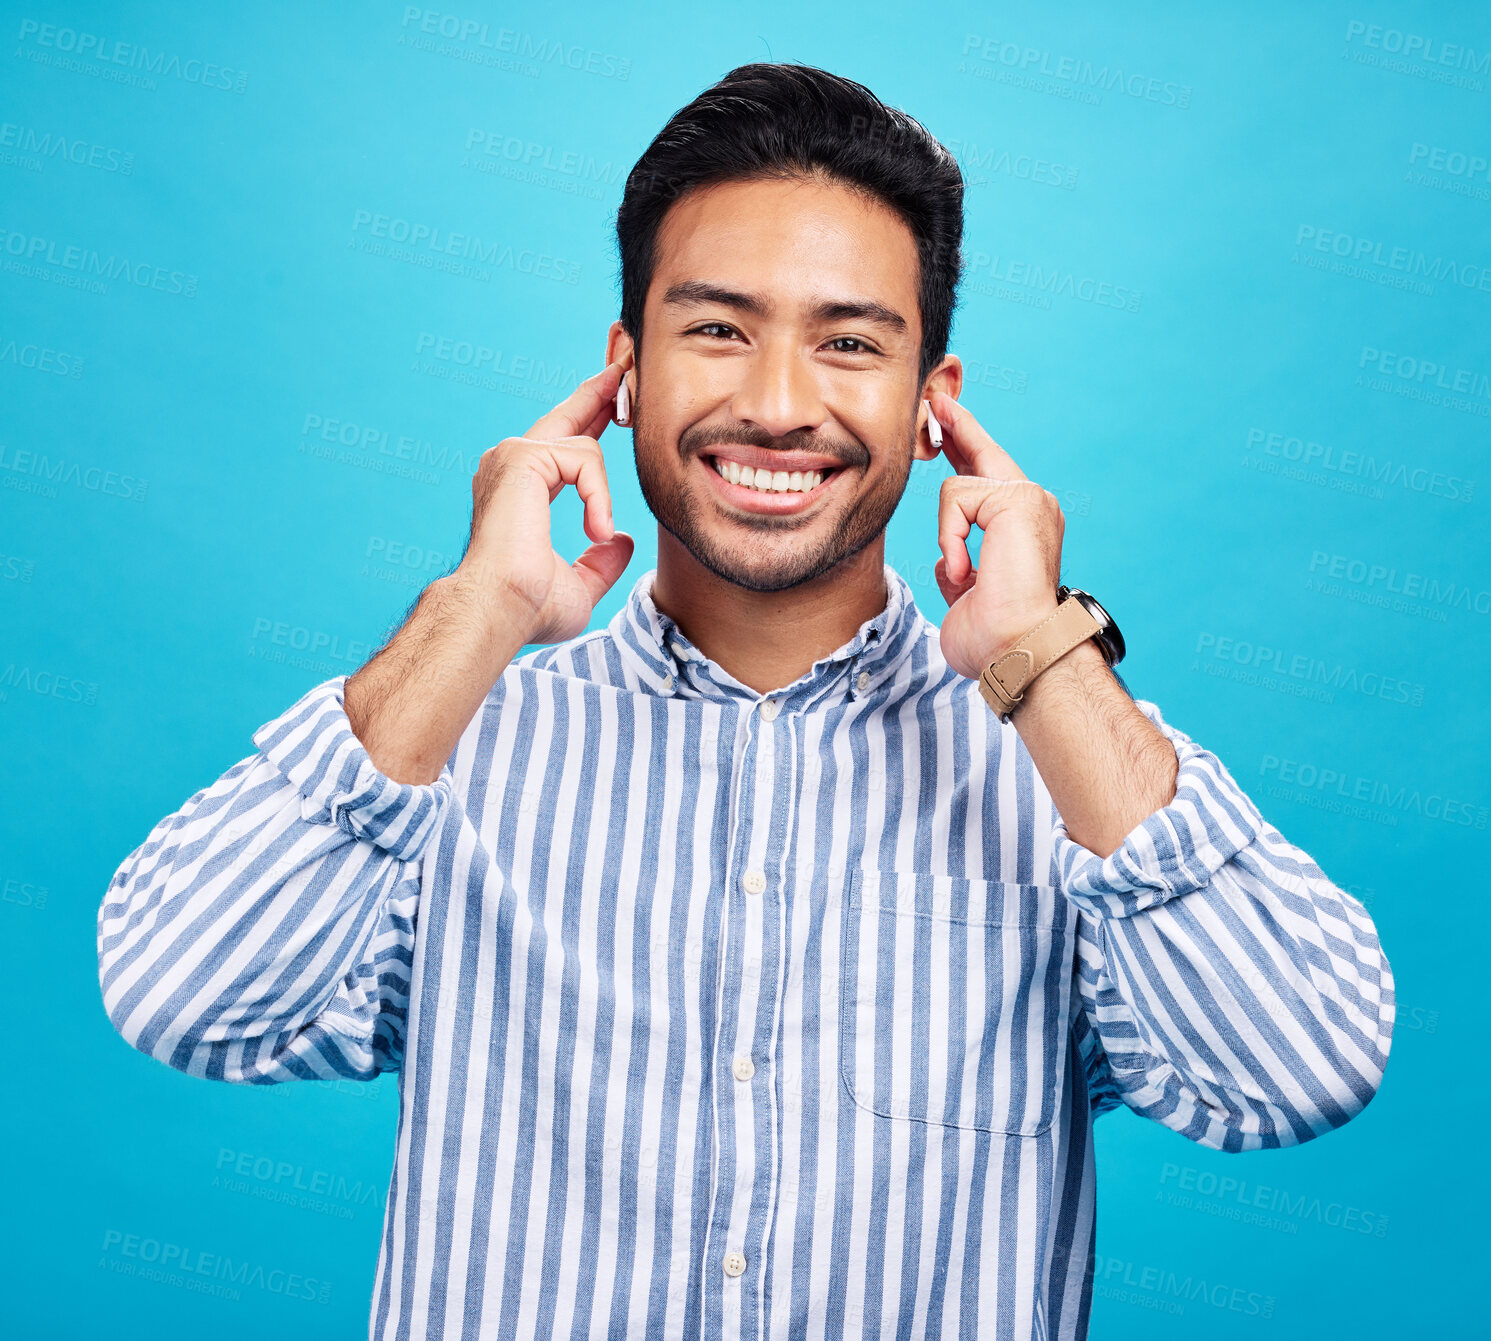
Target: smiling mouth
771, 482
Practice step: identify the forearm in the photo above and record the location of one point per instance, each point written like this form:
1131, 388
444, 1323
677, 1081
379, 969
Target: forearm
410, 703
1104, 762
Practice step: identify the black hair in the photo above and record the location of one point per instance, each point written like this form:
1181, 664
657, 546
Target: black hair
775, 121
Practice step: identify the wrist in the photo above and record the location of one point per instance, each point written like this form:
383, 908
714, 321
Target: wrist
1051, 687
409, 704
1015, 627
495, 616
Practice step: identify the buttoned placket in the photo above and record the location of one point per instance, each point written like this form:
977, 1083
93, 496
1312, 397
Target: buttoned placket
751, 956
756, 909
766, 775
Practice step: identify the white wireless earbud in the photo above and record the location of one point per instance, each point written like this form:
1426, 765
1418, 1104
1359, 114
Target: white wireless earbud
623, 403
934, 429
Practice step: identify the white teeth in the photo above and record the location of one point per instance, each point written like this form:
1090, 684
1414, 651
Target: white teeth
778, 482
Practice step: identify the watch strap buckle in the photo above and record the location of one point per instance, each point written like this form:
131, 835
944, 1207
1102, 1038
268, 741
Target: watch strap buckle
1004, 680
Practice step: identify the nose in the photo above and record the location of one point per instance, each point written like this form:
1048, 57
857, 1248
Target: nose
779, 392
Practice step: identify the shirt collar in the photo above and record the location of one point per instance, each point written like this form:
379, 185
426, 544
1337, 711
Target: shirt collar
670, 665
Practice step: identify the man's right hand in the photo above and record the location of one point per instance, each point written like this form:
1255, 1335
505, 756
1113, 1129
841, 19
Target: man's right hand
410, 704
510, 553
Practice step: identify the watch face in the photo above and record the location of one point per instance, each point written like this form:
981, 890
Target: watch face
1093, 608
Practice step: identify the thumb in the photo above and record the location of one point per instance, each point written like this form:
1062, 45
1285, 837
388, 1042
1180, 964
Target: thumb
585, 408
604, 562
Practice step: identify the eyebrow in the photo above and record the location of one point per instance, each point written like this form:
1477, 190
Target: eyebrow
694, 292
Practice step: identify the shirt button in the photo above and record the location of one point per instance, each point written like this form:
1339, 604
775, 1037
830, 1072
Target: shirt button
745, 1068
667, 684
863, 682
735, 1264
754, 882
769, 709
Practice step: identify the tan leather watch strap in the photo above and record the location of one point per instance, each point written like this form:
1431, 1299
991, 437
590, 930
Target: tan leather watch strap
1004, 681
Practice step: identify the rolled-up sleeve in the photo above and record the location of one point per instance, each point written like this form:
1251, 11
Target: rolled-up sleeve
1230, 990
264, 932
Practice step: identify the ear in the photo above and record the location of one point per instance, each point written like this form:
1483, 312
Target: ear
620, 346
946, 377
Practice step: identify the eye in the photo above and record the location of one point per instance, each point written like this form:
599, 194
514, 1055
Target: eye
853, 340
711, 326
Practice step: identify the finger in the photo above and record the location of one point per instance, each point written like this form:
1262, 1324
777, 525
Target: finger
952, 591
597, 426
580, 410
959, 462
577, 461
604, 562
603, 417
984, 456
589, 478
956, 458
955, 517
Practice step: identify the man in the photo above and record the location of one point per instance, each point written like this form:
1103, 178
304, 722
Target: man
756, 964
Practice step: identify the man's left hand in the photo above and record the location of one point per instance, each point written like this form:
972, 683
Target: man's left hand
1014, 586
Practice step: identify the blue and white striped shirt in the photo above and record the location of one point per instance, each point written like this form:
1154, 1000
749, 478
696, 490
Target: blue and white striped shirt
726, 1014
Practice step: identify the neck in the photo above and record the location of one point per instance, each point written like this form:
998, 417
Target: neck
768, 639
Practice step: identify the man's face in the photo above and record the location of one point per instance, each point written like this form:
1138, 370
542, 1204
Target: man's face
781, 331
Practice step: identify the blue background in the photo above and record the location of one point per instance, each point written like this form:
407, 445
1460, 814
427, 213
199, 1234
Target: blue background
194, 552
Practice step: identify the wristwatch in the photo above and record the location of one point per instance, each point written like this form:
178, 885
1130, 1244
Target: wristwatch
1077, 618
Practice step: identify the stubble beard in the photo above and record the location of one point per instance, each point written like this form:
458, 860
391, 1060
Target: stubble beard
788, 551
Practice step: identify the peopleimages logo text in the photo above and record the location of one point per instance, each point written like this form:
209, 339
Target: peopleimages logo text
132, 56
1029, 60
1415, 46
87, 264
1417, 586
1405, 260
1349, 786
1332, 675
1385, 471
430, 238
189, 1262
515, 42
1427, 374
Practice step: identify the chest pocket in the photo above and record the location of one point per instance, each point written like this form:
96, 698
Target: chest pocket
954, 995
